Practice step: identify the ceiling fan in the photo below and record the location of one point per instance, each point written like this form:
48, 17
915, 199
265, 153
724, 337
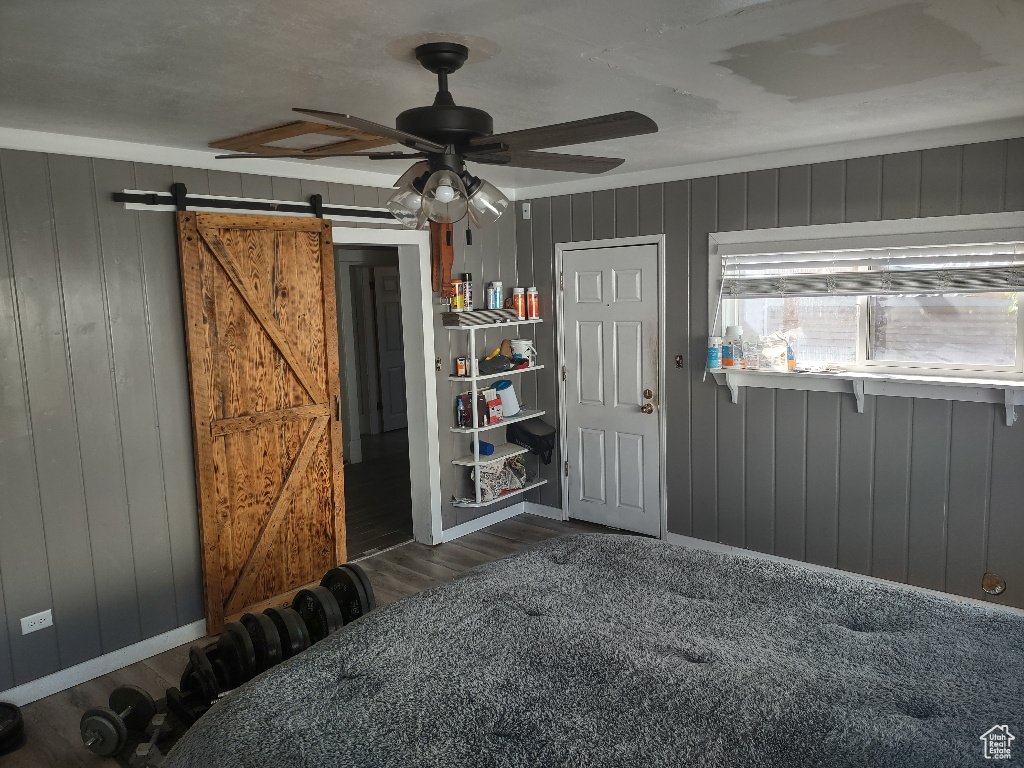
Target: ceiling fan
445, 135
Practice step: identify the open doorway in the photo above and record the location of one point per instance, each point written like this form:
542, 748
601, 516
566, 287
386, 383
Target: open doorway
378, 492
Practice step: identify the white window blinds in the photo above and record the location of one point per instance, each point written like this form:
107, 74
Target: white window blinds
972, 268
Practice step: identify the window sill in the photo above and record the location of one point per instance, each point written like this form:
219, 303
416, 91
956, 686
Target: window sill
934, 387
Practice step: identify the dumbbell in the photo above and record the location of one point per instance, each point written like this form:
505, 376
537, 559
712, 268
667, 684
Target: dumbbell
147, 755
105, 731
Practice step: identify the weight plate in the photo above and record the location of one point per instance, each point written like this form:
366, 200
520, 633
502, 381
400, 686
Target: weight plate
103, 731
142, 705
348, 591
239, 653
365, 580
12, 728
223, 674
265, 640
291, 628
185, 711
203, 675
319, 611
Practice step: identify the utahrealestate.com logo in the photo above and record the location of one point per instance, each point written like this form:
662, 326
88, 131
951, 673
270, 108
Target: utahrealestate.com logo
997, 742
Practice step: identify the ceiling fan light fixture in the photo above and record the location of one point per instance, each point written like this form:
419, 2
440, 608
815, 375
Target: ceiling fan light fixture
486, 202
406, 204
444, 197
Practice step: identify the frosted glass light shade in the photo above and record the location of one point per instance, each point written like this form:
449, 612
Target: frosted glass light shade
407, 206
444, 198
486, 204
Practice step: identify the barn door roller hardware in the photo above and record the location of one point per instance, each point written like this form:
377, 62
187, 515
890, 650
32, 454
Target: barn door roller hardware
179, 199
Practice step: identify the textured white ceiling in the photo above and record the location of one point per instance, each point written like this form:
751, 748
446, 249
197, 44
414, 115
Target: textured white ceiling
722, 78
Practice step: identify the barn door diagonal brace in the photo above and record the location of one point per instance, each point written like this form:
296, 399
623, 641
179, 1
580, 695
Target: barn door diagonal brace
269, 324
268, 533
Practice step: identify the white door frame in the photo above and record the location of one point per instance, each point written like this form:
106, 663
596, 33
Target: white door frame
418, 336
560, 248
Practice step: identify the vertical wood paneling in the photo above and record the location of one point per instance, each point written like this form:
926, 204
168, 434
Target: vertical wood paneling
795, 196
790, 473
901, 185
627, 212
856, 484
23, 543
891, 499
1006, 518
196, 180
95, 407
223, 183
828, 186
51, 405
940, 181
159, 250
703, 393
759, 466
762, 199
136, 398
561, 232
822, 526
983, 178
929, 493
676, 398
864, 189
652, 218
1013, 196
732, 215
603, 203
583, 216
970, 462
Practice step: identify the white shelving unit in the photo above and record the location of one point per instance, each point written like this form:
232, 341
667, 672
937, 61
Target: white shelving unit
501, 452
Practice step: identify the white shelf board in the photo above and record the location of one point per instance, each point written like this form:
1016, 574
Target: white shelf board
485, 326
495, 375
501, 452
502, 497
523, 416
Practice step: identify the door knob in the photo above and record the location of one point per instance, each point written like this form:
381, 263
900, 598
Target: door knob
647, 408
648, 394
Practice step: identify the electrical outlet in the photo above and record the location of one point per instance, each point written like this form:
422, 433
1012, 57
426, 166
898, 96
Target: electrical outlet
526, 210
37, 621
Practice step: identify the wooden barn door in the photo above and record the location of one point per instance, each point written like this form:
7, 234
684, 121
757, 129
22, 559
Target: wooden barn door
263, 367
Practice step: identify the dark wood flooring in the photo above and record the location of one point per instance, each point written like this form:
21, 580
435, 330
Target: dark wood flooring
378, 495
52, 723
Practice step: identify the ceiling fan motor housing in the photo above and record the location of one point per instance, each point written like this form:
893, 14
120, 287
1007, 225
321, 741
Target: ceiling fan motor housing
446, 124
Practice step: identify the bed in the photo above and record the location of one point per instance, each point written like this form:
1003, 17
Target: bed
609, 650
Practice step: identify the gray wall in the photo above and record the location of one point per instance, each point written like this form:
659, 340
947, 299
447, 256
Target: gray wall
97, 494
926, 492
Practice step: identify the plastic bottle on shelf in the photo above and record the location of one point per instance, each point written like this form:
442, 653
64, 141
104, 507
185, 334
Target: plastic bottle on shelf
467, 290
532, 303
519, 302
732, 347
714, 353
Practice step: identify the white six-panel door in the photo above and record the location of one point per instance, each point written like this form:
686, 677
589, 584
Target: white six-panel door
610, 347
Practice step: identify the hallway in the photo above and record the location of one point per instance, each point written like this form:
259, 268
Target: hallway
378, 502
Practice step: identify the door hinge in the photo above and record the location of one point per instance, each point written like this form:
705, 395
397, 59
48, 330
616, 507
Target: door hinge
567, 469
563, 373
561, 281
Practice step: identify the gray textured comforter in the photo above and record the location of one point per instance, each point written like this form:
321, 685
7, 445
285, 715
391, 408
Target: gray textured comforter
601, 650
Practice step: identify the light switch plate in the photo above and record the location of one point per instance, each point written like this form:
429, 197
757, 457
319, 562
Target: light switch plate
37, 621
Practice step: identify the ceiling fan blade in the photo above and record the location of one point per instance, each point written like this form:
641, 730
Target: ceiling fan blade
615, 126
319, 155
424, 145
549, 161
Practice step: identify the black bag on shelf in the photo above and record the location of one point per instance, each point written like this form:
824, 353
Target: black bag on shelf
537, 435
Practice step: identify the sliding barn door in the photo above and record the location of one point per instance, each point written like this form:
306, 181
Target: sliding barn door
263, 368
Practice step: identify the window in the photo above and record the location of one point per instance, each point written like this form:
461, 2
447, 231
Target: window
921, 296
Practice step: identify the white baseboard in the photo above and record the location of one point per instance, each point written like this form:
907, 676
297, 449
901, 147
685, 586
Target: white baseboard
458, 531
102, 665
553, 513
714, 546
